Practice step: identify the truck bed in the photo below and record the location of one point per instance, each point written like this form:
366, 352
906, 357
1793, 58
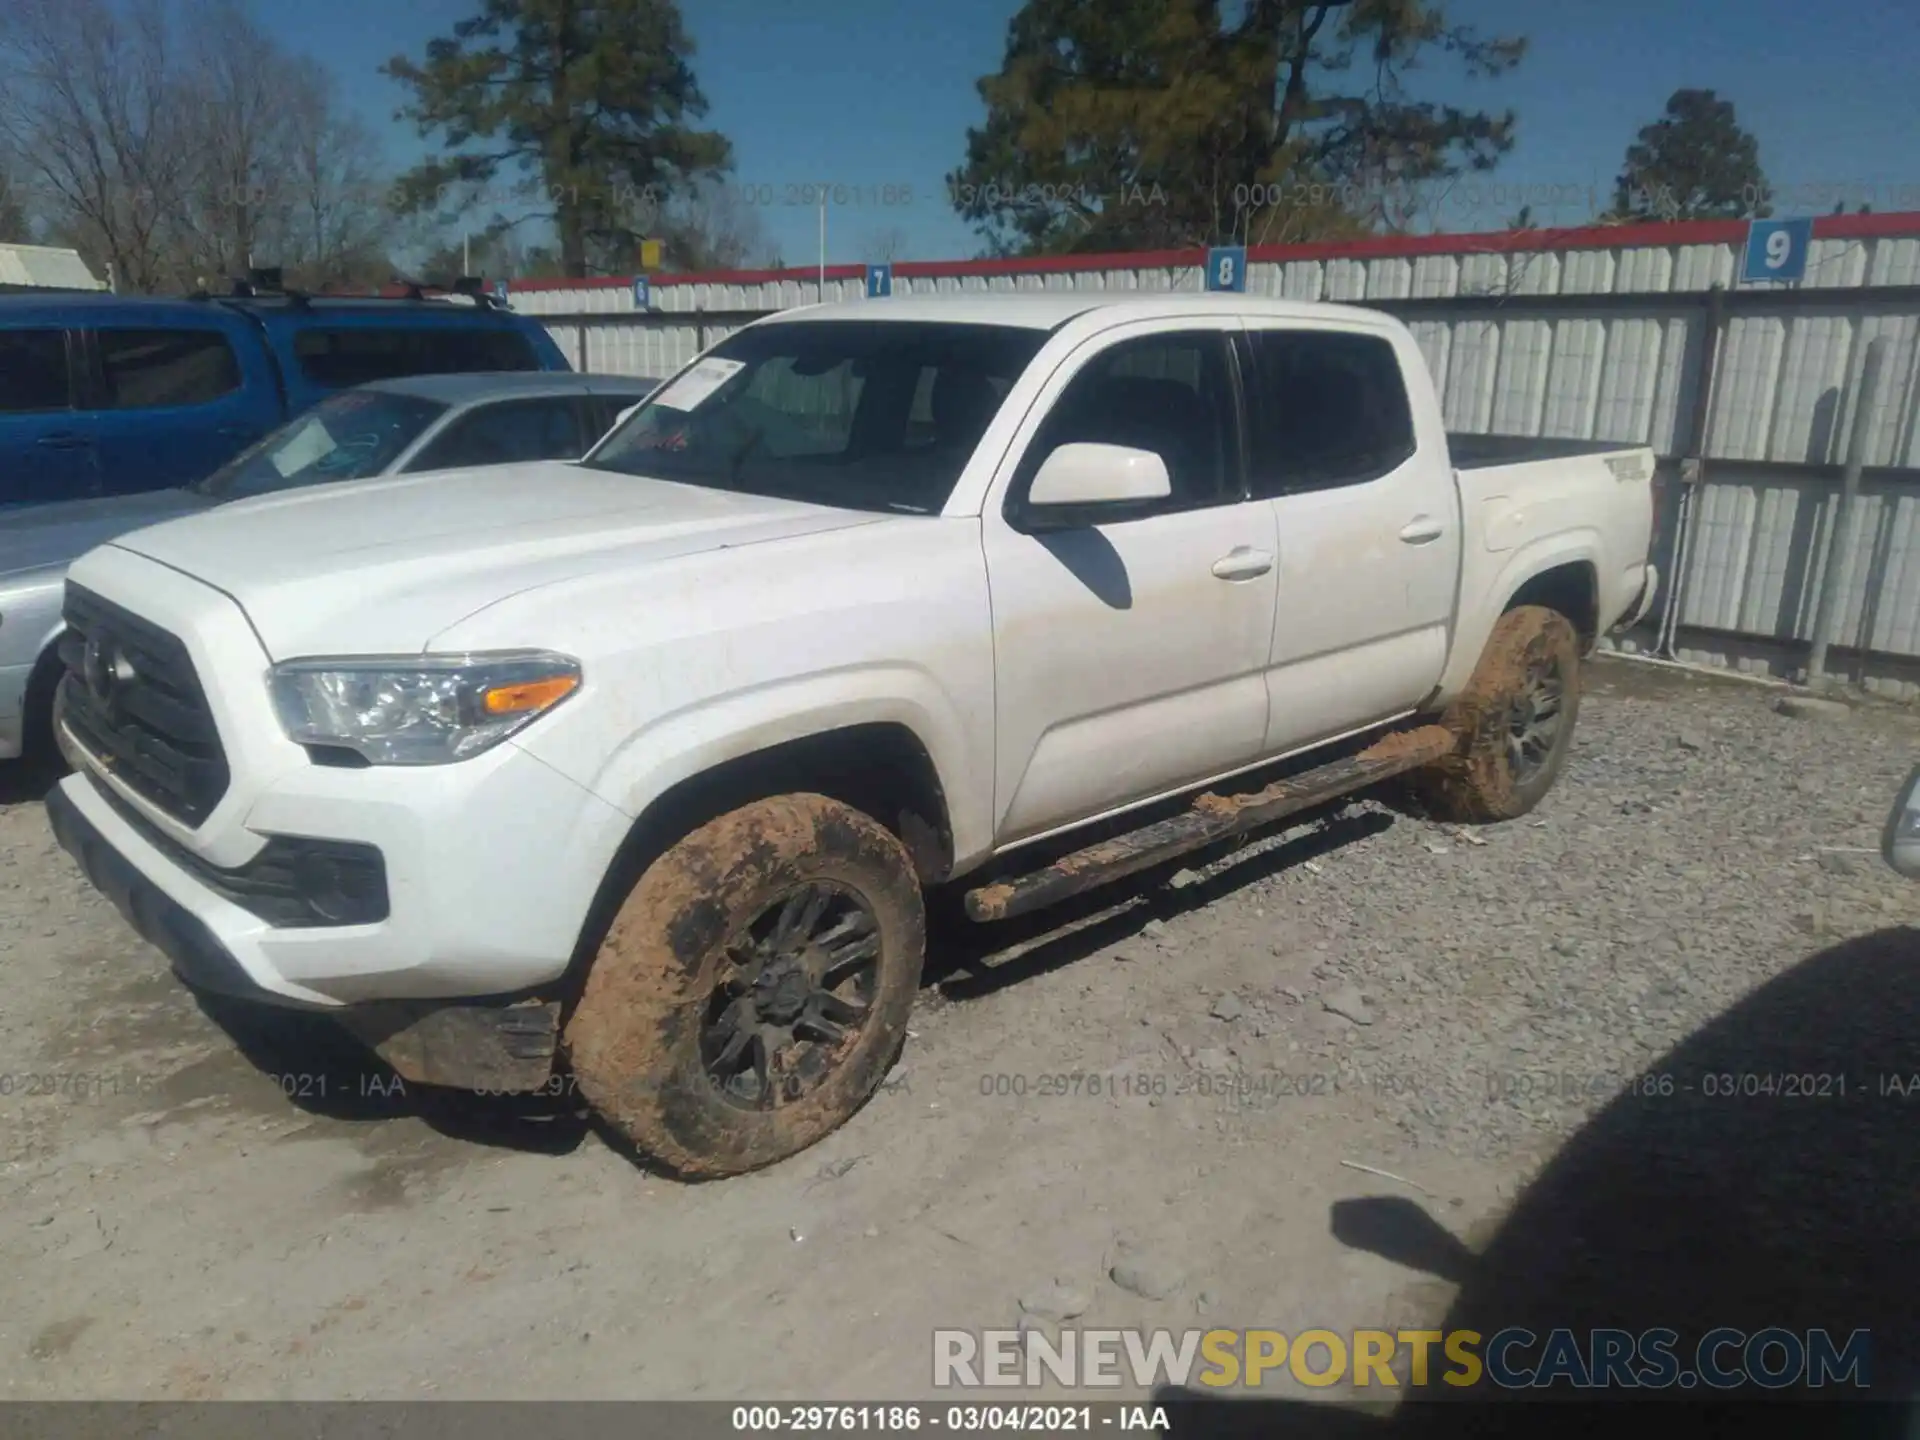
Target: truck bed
1483, 452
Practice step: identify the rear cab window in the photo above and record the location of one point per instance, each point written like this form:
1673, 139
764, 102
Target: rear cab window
338, 356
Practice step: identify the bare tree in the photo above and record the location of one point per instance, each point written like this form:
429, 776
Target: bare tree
335, 221
178, 143
233, 91
883, 247
713, 226
16, 223
87, 101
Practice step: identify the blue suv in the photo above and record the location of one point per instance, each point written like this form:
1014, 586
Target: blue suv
106, 395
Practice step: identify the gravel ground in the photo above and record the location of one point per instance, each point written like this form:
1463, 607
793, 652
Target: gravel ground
1697, 843
247, 1210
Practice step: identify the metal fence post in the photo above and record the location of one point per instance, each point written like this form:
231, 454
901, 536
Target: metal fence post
1839, 565
1693, 465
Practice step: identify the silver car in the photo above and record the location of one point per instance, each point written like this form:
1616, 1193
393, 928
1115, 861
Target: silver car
389, 427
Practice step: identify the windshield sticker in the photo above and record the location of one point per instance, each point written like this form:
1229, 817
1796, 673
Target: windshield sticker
692, 388
302, 450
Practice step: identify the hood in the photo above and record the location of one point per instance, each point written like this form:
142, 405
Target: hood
384, 565
37, 536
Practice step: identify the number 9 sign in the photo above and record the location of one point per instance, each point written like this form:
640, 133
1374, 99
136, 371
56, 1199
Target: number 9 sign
1776, 250
1227, 268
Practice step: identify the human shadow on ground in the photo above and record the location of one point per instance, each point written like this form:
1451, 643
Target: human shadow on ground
1764, 1173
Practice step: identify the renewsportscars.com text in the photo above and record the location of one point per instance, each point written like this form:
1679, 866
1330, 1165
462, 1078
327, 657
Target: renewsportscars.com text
1511, 1359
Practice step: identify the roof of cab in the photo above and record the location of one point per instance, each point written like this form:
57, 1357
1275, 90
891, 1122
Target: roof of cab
1048, 310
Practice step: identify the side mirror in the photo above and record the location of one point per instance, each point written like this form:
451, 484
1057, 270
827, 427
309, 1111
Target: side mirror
1900, 844
1081, 476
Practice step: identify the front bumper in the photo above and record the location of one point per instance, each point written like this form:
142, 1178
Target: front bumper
490, 867
506, 1044
191, 947
433, 884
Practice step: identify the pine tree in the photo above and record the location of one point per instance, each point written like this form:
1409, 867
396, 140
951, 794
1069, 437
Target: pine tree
590, 107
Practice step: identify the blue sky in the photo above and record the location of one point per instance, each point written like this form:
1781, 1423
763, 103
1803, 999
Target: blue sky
880, 93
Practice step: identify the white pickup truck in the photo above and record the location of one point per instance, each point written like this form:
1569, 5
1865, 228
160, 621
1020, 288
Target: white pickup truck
635, 771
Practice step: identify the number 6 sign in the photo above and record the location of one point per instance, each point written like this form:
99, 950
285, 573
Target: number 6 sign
1227, 268
1776, 250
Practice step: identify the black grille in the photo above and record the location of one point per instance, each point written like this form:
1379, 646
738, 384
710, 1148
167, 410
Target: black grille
132, 699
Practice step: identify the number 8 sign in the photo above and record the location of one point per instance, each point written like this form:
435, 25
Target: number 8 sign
1776, 250
1227, 268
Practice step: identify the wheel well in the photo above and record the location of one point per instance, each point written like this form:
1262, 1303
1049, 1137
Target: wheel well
36, 702
1572, 589
881, 770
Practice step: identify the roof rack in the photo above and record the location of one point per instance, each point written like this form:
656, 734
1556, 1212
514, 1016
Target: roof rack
260, 281
473, 287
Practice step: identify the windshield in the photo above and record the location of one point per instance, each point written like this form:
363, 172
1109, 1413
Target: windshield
863, 414
345, 437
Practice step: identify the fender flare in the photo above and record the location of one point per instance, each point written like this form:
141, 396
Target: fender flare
686, 743
1580, 546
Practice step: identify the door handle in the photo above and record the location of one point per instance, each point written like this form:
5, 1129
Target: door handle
239, 432
1421, 529
62, 442
1243, 563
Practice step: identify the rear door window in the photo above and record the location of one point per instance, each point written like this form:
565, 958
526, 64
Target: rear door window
1325, 409
159, 369
339, 356
33, 371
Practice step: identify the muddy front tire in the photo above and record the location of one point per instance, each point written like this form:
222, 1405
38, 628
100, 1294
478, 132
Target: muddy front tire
1515, 722
753, 988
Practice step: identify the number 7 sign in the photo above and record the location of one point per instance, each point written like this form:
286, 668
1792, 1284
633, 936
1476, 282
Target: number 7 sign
1776, 250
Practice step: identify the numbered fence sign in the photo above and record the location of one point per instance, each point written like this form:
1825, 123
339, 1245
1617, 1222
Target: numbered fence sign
1227, 268
500, 291
642, 293
879, 281
1776, 250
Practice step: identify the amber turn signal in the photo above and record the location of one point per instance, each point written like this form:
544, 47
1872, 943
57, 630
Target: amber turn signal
529, 695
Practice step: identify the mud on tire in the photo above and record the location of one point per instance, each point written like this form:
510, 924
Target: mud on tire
1509, 756
753, 988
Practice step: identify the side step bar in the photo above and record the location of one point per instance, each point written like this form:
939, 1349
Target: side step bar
1209, 819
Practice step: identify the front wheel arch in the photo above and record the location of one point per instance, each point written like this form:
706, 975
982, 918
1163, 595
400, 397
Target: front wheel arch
38, 744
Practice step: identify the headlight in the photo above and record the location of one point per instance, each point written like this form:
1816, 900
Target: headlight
419, 709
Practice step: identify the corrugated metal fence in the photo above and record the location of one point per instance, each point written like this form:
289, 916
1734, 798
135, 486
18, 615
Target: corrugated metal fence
1592, 334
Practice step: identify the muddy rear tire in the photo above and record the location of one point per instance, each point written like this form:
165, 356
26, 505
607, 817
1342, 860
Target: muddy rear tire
1515, 720
754, 988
